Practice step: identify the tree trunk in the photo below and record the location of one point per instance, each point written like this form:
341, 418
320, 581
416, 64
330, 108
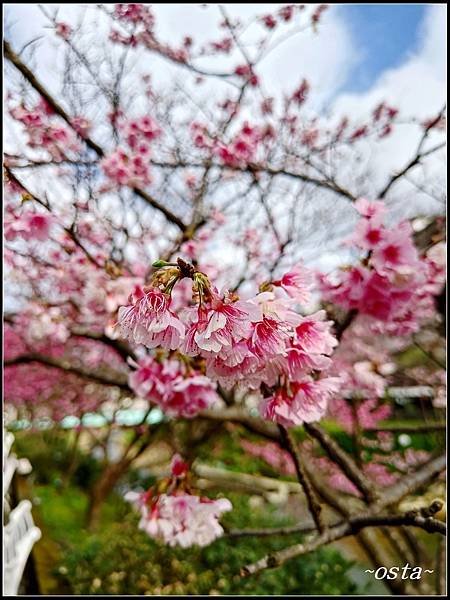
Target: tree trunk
73, 461
101, 490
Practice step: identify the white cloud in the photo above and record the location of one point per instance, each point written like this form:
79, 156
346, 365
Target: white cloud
417, 88
417, 85
324, 57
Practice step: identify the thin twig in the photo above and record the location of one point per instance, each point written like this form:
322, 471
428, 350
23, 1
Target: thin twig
313, 503
347, 465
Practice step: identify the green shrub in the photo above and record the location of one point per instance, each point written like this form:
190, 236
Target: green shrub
118, 559
123, 560
51, 455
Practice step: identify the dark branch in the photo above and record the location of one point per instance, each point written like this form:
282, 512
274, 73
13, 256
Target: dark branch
59, 110
338, 455
64, 365
313, 504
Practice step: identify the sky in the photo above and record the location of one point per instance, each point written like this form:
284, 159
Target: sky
379, 36
362, 54
385, 35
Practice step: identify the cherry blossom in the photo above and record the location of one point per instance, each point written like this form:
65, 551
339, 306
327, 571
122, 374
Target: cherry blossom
43, 132
307, 402
177, 393
373, 210
178, 517
390, 280
395, 253
217, 327
30, 226
64, 30
148, 320
297, 283
252, 342
181, 519
158, 248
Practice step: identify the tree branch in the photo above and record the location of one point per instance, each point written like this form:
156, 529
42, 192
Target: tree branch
429, 525
418, 156
350, 527
119, 346
313, 504
59, 110
64, 365
12, 177
338, 455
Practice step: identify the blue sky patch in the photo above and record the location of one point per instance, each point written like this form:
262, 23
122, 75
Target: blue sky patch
385, 34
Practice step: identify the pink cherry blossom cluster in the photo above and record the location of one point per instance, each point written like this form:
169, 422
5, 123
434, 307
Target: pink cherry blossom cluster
380, 125
247, 73
390, 284
177, 392
43, 133
272, 454
365, 414
178, 55
138, 132
223, 45
318, 12
261, 342
244, 147
380, 474
37, 391
29, 226
148, 320
82, 126
125, 168
43, 323
13, 343
181, 519
134, 13
300, 402
301, 93
139, 21
286, 14
64, 30
364, 363
177, 517
435, 260
383, 116
241, 150
130, 165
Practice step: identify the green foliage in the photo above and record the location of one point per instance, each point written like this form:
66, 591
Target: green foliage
123, 560
412, 357
62, 512
345, 441
52, 455
118, 559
